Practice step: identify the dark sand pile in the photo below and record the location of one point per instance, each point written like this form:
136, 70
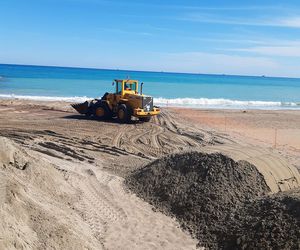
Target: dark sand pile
272, 222
215, 198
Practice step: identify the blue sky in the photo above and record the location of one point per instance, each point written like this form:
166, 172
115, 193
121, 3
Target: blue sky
222, 37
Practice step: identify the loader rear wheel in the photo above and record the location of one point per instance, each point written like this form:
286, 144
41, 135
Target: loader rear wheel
124, 114
145, 119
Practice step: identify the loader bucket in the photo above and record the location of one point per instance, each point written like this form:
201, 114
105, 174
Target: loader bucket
81, 108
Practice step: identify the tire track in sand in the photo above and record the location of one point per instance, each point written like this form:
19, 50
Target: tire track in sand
2, 188
153, 148
96, 204
155, 132
116, 141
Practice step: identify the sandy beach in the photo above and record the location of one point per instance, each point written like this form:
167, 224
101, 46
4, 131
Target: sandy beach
140, 125
62, 175
276, 129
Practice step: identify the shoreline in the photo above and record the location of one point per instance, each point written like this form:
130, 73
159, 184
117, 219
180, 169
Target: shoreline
184, 103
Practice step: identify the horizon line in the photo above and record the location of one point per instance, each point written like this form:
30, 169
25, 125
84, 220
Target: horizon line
145, 71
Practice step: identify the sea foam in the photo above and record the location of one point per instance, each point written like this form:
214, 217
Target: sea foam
222, 103
176, 102
45, 98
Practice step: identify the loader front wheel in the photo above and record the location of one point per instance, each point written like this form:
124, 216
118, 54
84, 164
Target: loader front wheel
101, 111
124, 114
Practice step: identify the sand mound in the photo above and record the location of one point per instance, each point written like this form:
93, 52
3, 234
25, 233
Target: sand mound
278, 173
34, 198
208, 193
272, 222
60, 204
10, 155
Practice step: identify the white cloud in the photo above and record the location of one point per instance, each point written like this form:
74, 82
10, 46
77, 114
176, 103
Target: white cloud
189, 62
123, 31
293, 22
199, 62
284, 51
206, 63
239, 8
289, 22
219, 63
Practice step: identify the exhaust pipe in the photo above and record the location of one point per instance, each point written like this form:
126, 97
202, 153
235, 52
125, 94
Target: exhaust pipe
142, 88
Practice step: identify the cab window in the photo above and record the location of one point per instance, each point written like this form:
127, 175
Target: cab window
119, 87
130, 86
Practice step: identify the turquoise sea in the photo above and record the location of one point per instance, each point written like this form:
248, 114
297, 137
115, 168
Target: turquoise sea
172, 89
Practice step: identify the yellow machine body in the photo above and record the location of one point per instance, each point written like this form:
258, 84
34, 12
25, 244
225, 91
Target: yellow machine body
126, 102
127, 93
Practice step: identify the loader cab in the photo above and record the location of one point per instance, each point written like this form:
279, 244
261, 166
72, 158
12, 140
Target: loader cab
126, 87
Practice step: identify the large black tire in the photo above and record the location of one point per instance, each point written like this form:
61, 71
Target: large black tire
145, 119
124, 114
101, 111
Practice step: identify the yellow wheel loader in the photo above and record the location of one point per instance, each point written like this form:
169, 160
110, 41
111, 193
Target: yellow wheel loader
123, 104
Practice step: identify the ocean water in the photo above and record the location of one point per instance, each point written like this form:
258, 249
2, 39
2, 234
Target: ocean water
171, 89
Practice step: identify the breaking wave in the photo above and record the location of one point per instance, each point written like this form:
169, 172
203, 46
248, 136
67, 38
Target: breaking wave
222, 103
45, 98
177, 102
